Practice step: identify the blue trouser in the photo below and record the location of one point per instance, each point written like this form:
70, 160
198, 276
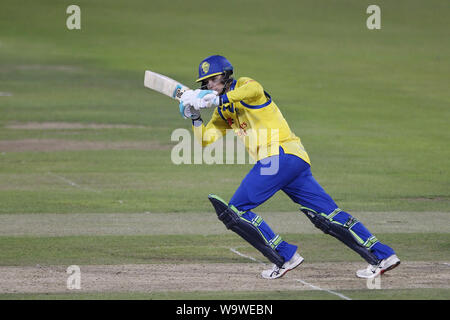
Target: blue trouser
294, 177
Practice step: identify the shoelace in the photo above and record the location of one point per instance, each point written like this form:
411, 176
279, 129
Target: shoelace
275, 269
373, 268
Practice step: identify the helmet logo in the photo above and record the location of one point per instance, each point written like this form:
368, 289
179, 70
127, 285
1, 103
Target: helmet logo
205, 67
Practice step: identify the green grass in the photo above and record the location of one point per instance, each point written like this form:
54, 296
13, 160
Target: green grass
371, 108
391, 294
198, 249
148, 181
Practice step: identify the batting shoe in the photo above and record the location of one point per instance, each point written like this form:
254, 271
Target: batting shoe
373, 271
277, 272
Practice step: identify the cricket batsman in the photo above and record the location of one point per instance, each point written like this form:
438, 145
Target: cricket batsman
282, 163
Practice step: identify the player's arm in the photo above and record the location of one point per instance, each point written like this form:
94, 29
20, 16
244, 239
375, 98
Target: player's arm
249, 91
216, 127
214, 130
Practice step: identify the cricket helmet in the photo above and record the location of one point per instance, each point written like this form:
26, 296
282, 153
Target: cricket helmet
214, 65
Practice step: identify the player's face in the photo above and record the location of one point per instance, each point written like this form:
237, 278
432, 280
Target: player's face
215, 83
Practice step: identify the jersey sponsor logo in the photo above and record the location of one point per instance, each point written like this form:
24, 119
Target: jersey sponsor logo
243, 129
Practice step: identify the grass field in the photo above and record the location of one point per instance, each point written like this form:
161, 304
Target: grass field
86, 176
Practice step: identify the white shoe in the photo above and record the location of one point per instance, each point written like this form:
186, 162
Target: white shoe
276, 272
373, 271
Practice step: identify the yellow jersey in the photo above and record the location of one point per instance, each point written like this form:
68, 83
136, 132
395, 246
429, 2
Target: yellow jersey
253, 116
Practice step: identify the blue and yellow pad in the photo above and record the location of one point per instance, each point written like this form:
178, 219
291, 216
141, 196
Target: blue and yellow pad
345, 231
249, 230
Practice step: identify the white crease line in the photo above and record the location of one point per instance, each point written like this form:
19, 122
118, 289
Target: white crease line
301, 281
245, 256
340, 295
73, 184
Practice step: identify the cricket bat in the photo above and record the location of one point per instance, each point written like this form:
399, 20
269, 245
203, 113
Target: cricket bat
164, 84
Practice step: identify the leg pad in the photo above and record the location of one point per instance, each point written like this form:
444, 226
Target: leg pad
343, 232
248, 230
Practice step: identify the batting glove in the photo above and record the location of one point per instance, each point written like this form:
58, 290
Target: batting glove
189, 112
217, 101
203, 99
189, 96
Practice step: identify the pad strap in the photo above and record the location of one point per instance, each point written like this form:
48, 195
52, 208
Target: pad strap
343, 232
248, 229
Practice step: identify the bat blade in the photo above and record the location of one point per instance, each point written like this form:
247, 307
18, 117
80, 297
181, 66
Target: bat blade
164, 84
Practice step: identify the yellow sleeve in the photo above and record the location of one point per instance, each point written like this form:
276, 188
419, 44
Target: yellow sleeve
247, 90
214, 130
